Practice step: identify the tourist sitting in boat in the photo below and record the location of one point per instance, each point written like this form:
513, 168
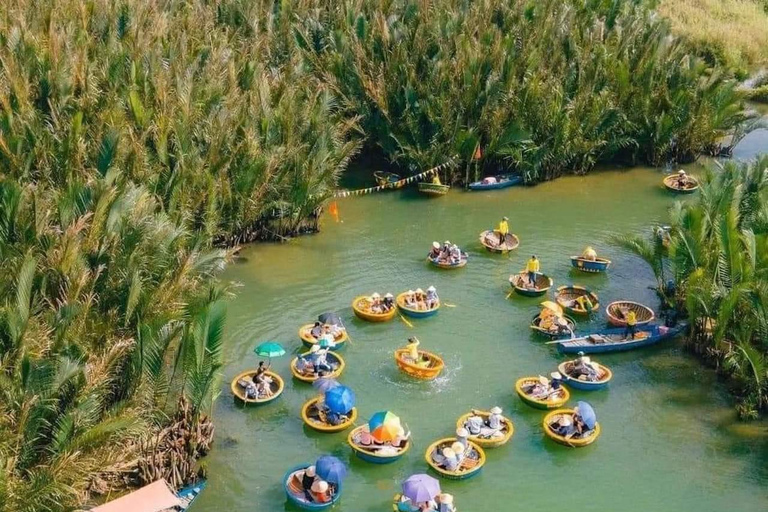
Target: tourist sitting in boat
682, 179
375, 304
455, 256
321, 491
557, 379
490, 180
432, 299
420, 298
332, 417
410, 299
589, 254
251, 390
571, 425
307, 481
532, 267
264, 387
444, 502
388, 303
502, 230
434, 253
317, 330
335, 330
583, 367
258, 377
320, 360
445, 250
541, 389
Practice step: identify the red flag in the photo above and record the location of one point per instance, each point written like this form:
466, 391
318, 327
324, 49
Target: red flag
333, 209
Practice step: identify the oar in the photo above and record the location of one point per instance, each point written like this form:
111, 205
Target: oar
449, 305
405, 320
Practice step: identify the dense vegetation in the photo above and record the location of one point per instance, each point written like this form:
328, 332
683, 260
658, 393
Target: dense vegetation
714, 270
136, 136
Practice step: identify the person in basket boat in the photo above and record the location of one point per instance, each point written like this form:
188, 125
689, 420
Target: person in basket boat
260, 385
553, 323
682, 179
332, 417
328, 339
462, 437
307, 481
502, 230
375, 303
486, 428
445, 250
410, 299
413, 355
388, 304
541, 389
584, 367
321, 491
444, 502
532, 268
556, 380
571, 425
421, 299
367, 441
455, 254
435, 252
320, 363
436, 179
589, 254
582, 302
631, 329
431, 298
317, 330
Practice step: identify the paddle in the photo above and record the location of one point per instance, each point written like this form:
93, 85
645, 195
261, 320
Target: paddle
405, 321
449, 305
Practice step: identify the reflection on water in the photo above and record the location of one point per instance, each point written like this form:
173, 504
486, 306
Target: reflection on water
670, 440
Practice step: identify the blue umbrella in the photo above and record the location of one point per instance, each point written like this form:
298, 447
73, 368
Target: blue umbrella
330, 469
326, 384
340, 399
587, 414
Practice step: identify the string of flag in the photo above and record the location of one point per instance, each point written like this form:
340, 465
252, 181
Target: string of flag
394, 184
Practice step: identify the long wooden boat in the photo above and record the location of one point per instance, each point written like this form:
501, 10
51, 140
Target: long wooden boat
448, 265
315, 418
473, 461
427, 370
239, 391
433, 189
502, 181
187, 495
613, 340
375, 454
414, 313
295, 493
575, 443
520, 283
488, 442
361, 307
511, 242
604, 376
616, 315
335, 361
553, 401
586, 265
671, 183
565, 296
536, 326
305, 335
384, 179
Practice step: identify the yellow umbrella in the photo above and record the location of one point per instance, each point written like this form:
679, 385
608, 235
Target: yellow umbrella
553, 306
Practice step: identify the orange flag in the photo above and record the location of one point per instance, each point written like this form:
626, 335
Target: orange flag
333, 209
478, 153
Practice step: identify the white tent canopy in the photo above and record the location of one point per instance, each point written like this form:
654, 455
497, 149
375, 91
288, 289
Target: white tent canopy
154, 497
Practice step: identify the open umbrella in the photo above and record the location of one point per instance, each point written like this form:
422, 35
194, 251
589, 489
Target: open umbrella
553, 306
587, 414
325, 384
420, 488
330, 469
330, 319
384, 426
269, 349
340, 399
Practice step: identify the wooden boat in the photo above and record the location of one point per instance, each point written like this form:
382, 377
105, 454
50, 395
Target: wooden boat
315, 418
414, 313
604, 375
447, 265
427, 370
565, 296
511, 242
536, 322
585, 265
502, 181
613, 340
575, 443
520, 283
361, 308
295, 493
384, 179
335, 361
433, 189
553, 401
239, 391
189, 494
374, 453
691, 184
485, 442
305, 335
616, 315
471, 465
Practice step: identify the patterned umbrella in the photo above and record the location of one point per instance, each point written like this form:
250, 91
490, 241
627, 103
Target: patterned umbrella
420, 488
384, 426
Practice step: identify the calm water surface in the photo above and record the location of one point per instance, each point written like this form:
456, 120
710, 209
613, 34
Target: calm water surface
670, 440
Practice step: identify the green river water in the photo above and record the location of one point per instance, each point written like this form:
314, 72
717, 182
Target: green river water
670, 439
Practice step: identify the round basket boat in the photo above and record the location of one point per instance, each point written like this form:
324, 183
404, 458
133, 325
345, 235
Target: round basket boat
414, 313
361, 307
536, 326
397, 501
566, 295
305, 335
295, 492
433, 189
238, 391
511, 242
488, 442
604, 375
315, 418
335, 361
430, 368
585, 265
471, 465
671, 183
616, 312
553, 401
448, 265
573, 442
521, 285
377, 454
387, 179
